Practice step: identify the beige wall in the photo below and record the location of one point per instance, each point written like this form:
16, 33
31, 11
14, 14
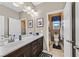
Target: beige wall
43, 9
25, 16
8, 13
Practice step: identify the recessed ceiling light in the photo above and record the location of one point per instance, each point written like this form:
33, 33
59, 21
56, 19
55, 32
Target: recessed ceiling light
28, 8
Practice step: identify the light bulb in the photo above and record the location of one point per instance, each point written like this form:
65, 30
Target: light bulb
36, 13
32, 10
28, 8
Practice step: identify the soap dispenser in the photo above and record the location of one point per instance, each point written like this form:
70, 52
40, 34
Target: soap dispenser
20, 37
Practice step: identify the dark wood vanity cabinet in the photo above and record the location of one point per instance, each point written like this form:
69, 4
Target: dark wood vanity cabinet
27, 52
17, 53
32, 49
40, 45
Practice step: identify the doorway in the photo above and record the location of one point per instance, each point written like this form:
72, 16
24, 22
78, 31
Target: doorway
56, 34
23, 27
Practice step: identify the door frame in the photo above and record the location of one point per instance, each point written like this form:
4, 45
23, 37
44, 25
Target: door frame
73, 30
56, 11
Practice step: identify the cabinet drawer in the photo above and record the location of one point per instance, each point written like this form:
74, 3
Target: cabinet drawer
28, 51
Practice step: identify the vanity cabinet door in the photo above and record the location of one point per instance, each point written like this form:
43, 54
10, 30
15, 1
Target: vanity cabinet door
28, 52
40, 45
34, 48
17, 53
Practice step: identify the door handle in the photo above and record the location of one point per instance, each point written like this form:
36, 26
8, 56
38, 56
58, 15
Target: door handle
76, 47
70, 41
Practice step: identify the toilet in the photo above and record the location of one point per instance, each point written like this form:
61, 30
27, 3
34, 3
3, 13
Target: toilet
56, 39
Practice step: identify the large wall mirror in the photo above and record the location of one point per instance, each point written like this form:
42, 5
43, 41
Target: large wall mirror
15, 27
1, 27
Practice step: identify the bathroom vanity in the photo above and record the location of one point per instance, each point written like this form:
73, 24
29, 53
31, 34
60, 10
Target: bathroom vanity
30, 46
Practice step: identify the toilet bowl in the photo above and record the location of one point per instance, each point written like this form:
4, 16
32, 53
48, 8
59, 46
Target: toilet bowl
56, 39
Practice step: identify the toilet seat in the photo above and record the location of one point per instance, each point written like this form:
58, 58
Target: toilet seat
56, 39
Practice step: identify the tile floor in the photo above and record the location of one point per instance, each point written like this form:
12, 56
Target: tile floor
56, 52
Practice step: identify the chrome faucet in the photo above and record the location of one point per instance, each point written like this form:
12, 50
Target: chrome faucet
11, 39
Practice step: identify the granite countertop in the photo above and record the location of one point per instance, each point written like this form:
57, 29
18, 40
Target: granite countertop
10, 47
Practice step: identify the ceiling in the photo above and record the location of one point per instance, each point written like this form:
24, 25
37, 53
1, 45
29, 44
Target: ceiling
36, 3
11, 6
18, 9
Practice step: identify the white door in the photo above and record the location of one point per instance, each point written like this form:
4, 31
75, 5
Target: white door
15, 27
77, 28
1, 26
67, 30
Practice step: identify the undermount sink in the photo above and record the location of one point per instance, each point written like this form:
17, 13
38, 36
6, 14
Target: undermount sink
5, 41
2, 43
